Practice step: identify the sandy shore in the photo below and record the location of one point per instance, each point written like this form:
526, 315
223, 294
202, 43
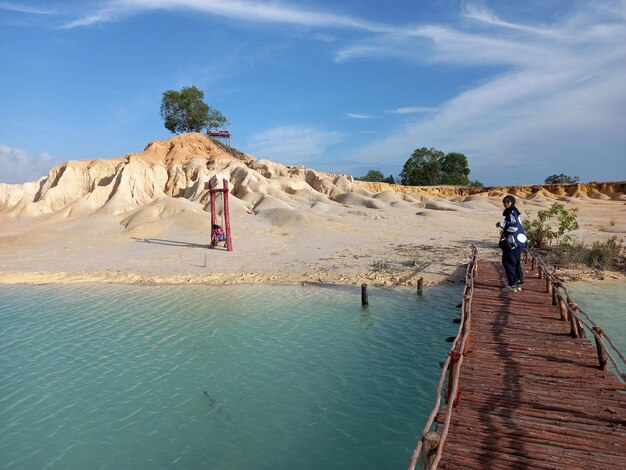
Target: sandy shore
379, 247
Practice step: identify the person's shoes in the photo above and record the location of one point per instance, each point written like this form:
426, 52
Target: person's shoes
509, 289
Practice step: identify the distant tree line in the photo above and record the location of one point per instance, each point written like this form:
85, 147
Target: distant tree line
429, 167
376, 176
561, 179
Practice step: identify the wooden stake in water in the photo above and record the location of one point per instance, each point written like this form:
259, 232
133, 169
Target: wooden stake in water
364, 299
420, 286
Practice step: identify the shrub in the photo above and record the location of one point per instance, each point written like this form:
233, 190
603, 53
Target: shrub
551, 226
604, 255
600, 255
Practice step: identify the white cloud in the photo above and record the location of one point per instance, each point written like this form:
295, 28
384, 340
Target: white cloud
358, 116
17, 166
21, 8
247, 10
411, 110
292, 145
557, 102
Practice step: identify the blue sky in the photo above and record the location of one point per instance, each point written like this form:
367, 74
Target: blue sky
525, 89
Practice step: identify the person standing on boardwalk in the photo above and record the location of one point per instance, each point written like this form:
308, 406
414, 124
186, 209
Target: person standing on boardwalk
512, 241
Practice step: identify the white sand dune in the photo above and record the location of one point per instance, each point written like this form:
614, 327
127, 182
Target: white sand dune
146, 218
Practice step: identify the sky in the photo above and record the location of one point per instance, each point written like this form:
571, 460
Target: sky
525, 89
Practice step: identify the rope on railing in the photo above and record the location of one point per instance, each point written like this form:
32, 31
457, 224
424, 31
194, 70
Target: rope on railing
572, 312
455, 356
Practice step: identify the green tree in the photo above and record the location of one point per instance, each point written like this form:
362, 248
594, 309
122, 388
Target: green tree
561, 179
185, 111
376, 176
428, 167
423, 168
454, 169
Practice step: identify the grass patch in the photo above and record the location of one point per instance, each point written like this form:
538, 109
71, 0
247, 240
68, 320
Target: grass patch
600, 255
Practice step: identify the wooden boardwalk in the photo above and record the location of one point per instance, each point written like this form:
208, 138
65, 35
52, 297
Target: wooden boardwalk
531, 396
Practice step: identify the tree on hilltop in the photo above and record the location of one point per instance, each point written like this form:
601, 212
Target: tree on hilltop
186, 111
429, 167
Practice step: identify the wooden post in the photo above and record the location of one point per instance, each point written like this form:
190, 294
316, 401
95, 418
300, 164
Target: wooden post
420, 286
602, 358
554, 291
563, 309
573, 321
454, 358
548, 285
429, 449
579, 327
525, 257
229, 239
212, 196
468, 326
532, 264
540, 271
364, 298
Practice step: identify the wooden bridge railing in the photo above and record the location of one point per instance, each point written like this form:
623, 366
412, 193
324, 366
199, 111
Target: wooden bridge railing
430, 443
577, 317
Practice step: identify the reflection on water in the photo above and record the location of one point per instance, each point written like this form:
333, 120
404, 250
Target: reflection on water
226, 378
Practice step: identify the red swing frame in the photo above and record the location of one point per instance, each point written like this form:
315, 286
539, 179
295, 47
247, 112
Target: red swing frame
224, 190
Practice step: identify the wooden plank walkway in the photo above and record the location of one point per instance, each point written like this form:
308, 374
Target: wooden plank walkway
531, 396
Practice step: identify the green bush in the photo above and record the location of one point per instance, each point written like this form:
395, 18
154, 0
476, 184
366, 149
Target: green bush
604, 255
601, 255
551, 226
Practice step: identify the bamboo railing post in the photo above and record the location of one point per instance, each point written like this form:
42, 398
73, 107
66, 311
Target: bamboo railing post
563, 309
454, 358
579, 327
602, 357
431, 442
575, 327
467, 339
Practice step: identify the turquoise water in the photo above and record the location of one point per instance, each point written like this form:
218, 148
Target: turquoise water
605, 302
121, 377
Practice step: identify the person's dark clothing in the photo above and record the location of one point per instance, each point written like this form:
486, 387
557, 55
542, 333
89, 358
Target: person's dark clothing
511, 260
512, 241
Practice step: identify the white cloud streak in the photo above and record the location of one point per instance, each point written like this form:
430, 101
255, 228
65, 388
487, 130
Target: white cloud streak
246, 10
411, 110
21, 8
292, 145
557, 104
358, 116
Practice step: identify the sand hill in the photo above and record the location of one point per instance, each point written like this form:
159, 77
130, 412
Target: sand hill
146, 217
